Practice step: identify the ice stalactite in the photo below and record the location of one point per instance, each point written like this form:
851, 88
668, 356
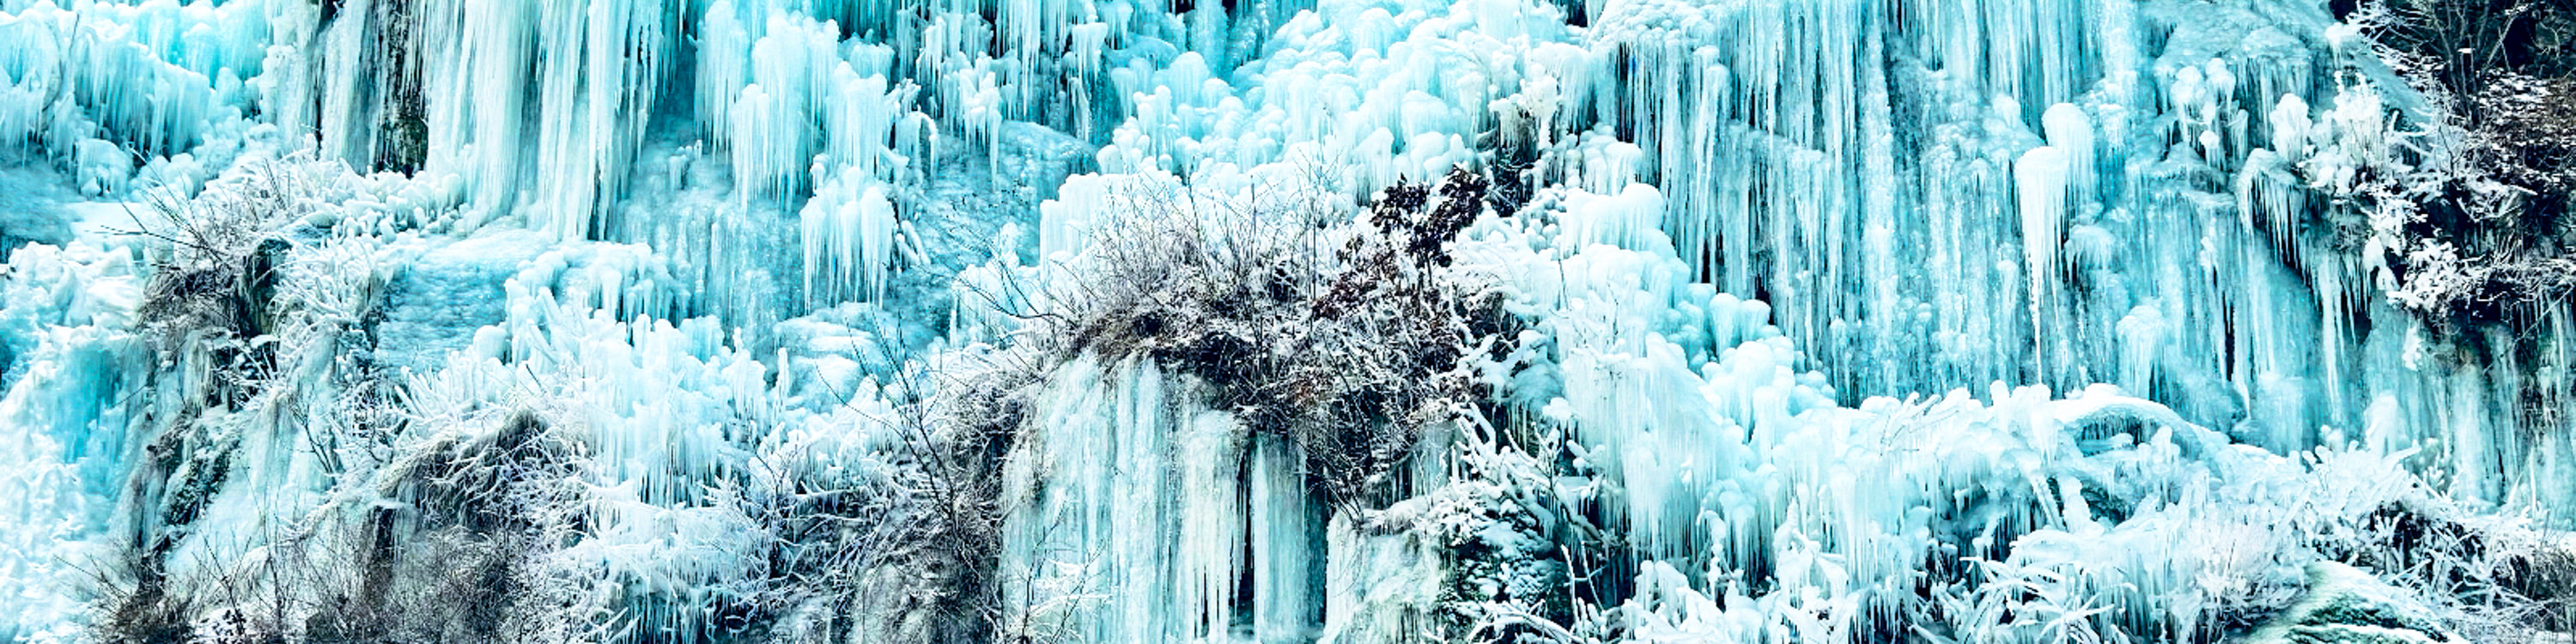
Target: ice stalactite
861, 115
623, 56
769, 141
1283, 531
465, 88
724, 40
157, 79
495, 61
849, 241
2040, 184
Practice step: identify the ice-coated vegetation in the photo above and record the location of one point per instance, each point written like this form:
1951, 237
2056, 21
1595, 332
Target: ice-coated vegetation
1287, 321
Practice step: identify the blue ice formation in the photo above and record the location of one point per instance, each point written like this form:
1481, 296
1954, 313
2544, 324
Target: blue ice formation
1813, 320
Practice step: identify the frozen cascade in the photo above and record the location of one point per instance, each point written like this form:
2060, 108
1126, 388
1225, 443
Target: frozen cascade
1747, 321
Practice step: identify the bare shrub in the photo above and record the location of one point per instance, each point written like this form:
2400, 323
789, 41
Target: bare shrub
1342, 338
452, 545
2488, 209
903, 546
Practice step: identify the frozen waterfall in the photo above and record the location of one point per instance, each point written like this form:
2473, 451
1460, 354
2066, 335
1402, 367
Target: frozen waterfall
1275, 321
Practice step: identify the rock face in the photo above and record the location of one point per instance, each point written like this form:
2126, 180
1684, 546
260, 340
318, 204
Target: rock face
2345, 605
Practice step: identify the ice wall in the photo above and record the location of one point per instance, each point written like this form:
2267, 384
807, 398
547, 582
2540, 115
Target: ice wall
65, 421
1806, 293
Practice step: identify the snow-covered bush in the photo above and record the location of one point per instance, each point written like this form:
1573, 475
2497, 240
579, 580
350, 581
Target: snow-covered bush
2472, 201
1509, 535
1342, 337
902, 544
219, 251
249, 316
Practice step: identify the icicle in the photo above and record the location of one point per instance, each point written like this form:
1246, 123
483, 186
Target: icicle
497, 48
848, 233
769, 149
2142, 335
1626, 220
723, 66
1212, 524
2040, 184
1283, 555
1064, 223
2290, 125
347, 126
2070, 131
622, 70
973, 106
859, 122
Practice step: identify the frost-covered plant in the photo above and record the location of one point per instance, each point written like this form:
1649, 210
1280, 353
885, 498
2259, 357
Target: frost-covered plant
2495, 578
2471, 205
1507, 533
891, 530
1055, 591
1341, 337
2018, 603
499, 502
250, 324
456, 541
222, 239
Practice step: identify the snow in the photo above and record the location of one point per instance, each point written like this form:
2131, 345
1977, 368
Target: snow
2023, 318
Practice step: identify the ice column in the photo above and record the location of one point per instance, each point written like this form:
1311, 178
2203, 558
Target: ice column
2040, 182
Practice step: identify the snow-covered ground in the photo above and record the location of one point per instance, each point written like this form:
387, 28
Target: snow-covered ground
1260, 321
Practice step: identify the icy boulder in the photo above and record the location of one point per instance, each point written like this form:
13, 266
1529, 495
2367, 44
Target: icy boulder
2346, 605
